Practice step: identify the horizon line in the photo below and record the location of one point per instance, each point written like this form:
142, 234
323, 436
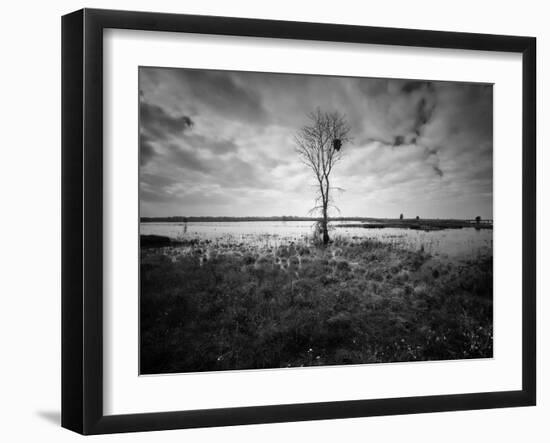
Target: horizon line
303, 217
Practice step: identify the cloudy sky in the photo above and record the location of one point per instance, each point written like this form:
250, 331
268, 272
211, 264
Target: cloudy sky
221, 143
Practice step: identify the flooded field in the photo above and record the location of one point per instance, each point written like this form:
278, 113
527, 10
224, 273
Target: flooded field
239, 295
462, 243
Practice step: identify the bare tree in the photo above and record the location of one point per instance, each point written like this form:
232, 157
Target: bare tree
319, 146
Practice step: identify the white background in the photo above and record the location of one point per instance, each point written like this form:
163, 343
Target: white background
30, 220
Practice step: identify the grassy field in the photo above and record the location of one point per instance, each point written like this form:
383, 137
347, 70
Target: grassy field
206, 308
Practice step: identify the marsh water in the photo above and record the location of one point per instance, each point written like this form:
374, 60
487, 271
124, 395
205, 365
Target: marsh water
454, 243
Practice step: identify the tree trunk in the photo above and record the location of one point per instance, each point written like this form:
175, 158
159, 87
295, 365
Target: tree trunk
325, 225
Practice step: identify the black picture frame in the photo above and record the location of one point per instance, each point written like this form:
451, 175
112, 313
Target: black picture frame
82, 219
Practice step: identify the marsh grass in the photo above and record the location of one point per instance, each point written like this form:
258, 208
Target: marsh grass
208, 306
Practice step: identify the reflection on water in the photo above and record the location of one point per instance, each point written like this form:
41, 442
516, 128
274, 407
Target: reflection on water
449, 242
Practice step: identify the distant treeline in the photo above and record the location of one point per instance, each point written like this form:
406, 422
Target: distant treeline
182, 219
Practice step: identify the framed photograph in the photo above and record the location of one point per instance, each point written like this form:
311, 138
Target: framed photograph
269, 221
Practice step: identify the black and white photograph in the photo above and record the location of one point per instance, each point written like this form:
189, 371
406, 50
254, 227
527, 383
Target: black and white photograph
304, 220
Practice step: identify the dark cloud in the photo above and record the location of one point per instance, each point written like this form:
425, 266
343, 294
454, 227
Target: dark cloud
424, 111
220, 92
398, 140
158, 123
373, 87
223, 90
415, 85
437, 170
146, 149
398, 110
